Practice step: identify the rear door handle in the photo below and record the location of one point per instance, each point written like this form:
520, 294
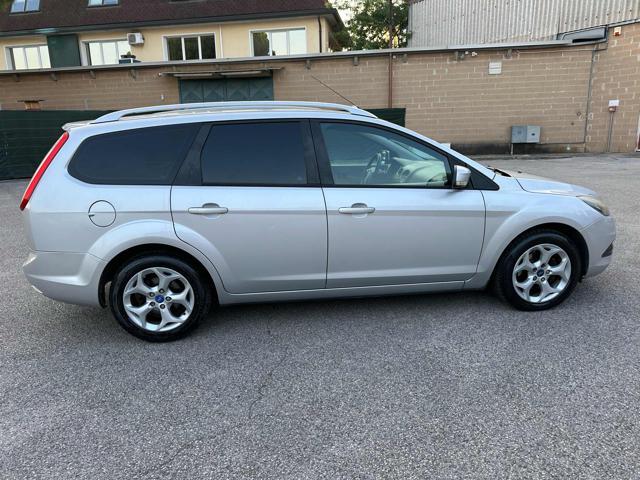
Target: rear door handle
357, 209
208, 209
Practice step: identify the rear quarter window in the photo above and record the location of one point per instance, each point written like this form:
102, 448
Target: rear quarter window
144, 156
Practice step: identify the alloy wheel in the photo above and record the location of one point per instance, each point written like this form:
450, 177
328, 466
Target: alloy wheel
542, 273
158, 299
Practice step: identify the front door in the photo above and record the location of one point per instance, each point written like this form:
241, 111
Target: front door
392, 216
258, 212
224, 90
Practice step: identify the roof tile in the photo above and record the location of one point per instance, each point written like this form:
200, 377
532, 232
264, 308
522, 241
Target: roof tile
69, 14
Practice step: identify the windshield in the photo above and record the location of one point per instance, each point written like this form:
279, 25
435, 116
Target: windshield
413, 153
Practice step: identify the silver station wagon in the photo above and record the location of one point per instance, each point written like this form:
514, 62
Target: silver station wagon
161, 212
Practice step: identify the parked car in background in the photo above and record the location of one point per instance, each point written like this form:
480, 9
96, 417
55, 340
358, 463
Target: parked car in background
161, 212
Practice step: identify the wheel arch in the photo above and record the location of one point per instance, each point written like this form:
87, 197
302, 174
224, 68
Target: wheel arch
572, 233
151, 249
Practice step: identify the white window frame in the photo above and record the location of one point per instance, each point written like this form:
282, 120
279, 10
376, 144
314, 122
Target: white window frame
275, 30
9, 54
24, 10
182, 36
87, 54
102, 4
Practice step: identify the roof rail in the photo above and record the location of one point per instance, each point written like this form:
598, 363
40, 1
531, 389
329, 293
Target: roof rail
119, 115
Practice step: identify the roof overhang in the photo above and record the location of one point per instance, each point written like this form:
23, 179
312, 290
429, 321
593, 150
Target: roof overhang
223, 63
241, 73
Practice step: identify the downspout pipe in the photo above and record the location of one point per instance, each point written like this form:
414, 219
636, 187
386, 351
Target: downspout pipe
390, 99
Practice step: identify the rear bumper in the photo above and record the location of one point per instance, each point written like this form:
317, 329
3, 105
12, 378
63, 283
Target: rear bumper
66, 277
599, 237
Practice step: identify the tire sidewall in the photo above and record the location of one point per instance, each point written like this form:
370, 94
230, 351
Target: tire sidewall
131, 268
514, 253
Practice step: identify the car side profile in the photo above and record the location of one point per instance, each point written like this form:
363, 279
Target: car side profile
161, 212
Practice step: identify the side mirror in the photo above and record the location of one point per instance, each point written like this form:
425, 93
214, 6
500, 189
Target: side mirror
461, 177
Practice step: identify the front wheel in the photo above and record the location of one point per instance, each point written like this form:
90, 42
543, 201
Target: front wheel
158, 298
538, 271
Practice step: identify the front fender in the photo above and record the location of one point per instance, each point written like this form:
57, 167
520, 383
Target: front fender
510, 214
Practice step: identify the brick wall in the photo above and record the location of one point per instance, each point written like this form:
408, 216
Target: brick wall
616, 77
448, 99
104, 90
458, 101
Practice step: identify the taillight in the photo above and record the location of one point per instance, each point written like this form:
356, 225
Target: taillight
42, 168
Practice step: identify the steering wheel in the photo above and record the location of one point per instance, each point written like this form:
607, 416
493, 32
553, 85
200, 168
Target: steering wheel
375, 166
437, 178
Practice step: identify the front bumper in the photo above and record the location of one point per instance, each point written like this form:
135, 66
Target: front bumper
67, 277
599, 237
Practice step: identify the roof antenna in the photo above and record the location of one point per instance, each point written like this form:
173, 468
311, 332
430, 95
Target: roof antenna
334, 91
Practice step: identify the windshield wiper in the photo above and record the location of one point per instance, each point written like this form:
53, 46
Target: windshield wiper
501, 172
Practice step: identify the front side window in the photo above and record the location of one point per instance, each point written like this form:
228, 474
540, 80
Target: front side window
279, 42
106, 52
19, 6
360, 155
30, 57
101, 3
255, 154
196, 47
144, 156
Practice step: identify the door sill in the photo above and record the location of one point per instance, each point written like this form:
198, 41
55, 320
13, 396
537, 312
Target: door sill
343, 292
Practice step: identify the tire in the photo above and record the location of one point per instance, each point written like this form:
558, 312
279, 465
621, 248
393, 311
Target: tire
145, 309
517, 277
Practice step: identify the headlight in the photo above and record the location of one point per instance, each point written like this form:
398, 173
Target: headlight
596, 204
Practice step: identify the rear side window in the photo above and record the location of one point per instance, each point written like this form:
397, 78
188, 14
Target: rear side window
255, 154
145, 156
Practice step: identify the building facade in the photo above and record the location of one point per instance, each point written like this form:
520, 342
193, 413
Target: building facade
584, 96
45, 34
466, 22
470, 98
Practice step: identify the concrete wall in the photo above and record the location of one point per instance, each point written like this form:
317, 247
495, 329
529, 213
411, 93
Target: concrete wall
232, 39
564, 89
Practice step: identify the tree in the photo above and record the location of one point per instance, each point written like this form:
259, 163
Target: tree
368, 27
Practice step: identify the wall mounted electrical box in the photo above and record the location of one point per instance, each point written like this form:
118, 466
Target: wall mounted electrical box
525, 134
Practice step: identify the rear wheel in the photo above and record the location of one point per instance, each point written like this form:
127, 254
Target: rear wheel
158, 298
538, 271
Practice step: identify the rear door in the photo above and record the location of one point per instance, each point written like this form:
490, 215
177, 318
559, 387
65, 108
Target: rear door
251, 201
393, 217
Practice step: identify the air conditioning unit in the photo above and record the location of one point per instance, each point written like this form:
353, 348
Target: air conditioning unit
135, 38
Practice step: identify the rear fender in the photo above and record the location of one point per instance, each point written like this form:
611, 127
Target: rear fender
147, 232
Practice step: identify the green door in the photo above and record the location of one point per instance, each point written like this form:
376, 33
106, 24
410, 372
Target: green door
227, 89
26, 137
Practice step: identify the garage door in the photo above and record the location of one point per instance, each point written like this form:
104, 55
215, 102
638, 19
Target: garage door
223, 90
26, 137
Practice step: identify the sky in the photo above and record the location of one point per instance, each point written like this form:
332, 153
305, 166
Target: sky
345, 13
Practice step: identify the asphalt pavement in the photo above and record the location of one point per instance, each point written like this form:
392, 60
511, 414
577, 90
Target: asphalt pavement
434, 386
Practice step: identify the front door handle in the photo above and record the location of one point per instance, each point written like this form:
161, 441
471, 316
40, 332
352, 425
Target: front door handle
357, 209
208, 209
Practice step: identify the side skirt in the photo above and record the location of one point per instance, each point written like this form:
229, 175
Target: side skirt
372, 291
